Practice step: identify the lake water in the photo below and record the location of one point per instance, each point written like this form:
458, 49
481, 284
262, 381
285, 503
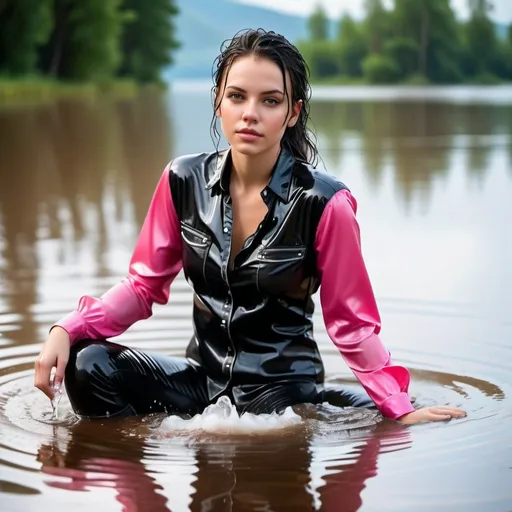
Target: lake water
432, 173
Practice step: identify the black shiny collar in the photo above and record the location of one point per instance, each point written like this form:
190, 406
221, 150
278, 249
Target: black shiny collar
279, 183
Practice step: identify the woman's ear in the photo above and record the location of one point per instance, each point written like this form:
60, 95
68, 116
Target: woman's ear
296, 113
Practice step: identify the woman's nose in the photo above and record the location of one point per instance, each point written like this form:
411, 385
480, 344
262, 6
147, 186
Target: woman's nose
250, 112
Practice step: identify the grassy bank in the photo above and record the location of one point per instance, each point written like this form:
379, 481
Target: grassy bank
40, 90
417, 79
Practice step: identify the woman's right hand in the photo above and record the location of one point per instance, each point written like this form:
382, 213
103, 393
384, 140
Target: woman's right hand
54, 354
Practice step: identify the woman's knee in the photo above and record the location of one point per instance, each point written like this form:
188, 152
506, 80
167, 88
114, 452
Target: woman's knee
88, 381
90, 364
87, 357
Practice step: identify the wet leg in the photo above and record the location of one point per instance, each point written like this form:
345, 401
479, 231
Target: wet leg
106, 379
346, 397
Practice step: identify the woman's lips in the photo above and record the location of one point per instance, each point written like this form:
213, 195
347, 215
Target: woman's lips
249, 135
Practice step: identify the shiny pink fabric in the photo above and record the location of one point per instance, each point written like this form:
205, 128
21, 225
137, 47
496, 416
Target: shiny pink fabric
350, 311
155, 262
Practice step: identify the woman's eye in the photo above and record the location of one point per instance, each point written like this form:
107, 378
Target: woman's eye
272, 101
235, 96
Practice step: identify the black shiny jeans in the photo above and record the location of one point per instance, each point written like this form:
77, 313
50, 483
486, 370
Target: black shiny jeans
106, 379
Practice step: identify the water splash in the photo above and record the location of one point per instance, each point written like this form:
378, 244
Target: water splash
223, 418
57, 395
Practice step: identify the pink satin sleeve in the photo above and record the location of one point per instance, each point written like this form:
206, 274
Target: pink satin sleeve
155, 262
350, 311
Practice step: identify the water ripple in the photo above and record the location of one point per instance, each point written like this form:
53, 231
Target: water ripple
313, 452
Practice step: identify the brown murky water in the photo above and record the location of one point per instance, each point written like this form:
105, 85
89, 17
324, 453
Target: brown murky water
434, 183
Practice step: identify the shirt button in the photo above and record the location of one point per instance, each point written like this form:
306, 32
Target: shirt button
264, 192
226, 230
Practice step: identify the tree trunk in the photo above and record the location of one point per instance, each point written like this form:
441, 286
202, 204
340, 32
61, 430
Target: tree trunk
61, 31
425, 26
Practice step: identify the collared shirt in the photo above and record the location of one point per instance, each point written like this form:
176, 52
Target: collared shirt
253, 323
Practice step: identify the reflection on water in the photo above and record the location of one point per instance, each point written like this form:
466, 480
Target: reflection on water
433, 180
68, 174
416, 140
265, 473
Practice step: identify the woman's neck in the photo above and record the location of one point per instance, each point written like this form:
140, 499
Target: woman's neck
250, 171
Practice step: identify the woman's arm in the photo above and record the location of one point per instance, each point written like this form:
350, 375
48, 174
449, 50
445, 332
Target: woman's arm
155, 263
350, 311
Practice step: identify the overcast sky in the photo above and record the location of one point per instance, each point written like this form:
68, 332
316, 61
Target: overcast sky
502, 10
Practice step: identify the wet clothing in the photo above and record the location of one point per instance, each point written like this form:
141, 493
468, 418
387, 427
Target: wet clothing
252, 313
107, 379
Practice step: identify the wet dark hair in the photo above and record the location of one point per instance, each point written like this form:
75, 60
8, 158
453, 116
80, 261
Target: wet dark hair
298, 139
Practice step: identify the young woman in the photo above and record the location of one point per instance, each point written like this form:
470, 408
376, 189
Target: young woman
257, 231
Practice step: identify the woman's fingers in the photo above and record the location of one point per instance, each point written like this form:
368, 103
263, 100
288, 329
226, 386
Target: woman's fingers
432, 416
42, 376
452, 411
444, 413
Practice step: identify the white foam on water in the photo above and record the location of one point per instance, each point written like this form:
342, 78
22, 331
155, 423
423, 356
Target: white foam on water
223, 418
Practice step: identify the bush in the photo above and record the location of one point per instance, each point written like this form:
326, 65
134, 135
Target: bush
487, 79
403, 51
417, 79
380, 69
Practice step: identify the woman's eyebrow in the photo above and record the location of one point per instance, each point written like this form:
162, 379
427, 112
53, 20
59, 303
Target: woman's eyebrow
239, 89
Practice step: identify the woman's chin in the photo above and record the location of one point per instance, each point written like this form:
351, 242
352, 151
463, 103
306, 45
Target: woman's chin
249, 148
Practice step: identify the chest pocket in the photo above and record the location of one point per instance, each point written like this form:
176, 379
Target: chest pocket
195, 252
280, 269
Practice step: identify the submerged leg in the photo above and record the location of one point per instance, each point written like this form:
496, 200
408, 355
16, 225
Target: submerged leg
106, 379
346, 397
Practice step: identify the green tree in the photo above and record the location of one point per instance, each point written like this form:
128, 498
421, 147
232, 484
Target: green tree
376, 26
352, 47
403, 51
481, 39
25, 25
85, 43
432, 25
318, 25
149, 38
380, 69
322, 58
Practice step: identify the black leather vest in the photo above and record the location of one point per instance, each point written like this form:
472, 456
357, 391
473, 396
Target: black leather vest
253, 320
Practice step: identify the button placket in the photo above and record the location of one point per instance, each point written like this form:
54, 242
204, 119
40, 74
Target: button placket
225, 313
227, 230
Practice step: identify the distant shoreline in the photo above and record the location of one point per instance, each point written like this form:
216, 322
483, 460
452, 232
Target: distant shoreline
27, 91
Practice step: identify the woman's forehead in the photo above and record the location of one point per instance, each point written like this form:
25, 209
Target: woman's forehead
253, 73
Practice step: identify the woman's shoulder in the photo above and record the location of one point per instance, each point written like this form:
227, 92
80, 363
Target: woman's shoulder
193, 163
319, 182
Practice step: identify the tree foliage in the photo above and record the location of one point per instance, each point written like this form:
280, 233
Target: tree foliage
93, 40
148, 39
418, 40
351, 46
24, 26
318, 25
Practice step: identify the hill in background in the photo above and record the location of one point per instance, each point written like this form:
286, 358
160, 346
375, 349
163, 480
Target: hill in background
203, 25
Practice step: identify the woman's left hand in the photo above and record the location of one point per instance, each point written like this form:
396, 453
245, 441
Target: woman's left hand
440, 413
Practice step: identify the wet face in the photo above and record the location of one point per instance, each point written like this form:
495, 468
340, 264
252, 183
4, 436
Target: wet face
254, 108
